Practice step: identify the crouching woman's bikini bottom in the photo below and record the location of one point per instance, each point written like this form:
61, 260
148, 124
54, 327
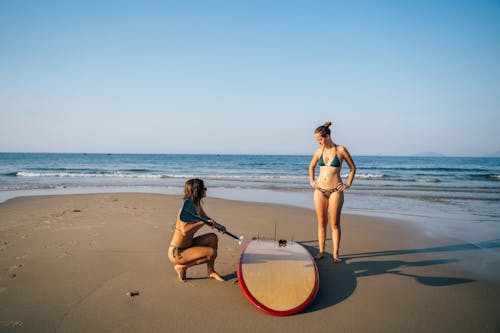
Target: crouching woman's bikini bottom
176, 252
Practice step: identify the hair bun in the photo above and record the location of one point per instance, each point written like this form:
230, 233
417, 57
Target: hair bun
327, 124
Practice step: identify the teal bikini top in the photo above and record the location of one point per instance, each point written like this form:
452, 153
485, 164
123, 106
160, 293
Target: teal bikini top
334, 163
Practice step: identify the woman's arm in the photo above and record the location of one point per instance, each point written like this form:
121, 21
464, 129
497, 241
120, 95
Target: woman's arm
189, 228
312, 166
347, 157
186, 228
202, 212
216, 225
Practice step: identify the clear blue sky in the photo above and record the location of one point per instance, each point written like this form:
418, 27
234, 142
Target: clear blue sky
394, 77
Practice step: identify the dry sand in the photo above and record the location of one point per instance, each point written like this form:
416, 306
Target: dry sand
68, 262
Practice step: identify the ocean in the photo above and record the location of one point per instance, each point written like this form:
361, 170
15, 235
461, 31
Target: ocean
442, 196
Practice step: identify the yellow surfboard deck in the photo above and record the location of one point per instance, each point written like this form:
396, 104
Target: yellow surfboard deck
280, 278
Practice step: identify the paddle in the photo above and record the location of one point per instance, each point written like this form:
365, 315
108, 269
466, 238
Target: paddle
188, 214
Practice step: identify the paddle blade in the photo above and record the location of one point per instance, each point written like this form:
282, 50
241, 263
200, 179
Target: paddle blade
188, 212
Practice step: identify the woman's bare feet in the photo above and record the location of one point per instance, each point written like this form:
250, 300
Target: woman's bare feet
319, 256
337, 260
181, 272
214, 275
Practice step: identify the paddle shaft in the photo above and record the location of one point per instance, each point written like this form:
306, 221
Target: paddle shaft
211, 224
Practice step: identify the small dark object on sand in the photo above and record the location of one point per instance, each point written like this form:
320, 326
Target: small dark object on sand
133, 293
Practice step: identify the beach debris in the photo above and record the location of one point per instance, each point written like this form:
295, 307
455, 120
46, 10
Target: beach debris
76, 211
133, 293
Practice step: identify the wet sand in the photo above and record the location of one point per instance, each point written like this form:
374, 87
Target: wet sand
69, 264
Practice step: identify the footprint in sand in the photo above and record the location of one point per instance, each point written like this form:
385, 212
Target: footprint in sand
11, 323
4, 245
64, 255
13, 268
42, 227
71, 243
61, 245
58, 215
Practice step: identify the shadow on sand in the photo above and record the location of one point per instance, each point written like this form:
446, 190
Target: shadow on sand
339, 281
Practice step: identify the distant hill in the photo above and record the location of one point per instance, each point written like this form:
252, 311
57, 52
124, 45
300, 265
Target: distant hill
429, 154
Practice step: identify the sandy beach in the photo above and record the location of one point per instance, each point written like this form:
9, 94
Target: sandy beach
68, 264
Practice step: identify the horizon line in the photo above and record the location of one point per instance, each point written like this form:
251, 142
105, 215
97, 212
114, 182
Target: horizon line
425, 154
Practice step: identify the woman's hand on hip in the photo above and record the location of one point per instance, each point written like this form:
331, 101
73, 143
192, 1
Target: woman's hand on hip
342, 187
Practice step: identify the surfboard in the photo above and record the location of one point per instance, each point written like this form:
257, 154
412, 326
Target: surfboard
278, 277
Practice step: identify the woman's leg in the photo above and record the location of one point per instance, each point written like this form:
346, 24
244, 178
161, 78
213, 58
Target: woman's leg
336, 203
203, 250
209, 240
321, 206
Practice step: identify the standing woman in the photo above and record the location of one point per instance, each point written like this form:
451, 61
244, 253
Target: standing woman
186, 250
328, 186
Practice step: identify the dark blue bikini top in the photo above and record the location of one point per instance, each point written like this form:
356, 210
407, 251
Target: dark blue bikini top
334, 163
